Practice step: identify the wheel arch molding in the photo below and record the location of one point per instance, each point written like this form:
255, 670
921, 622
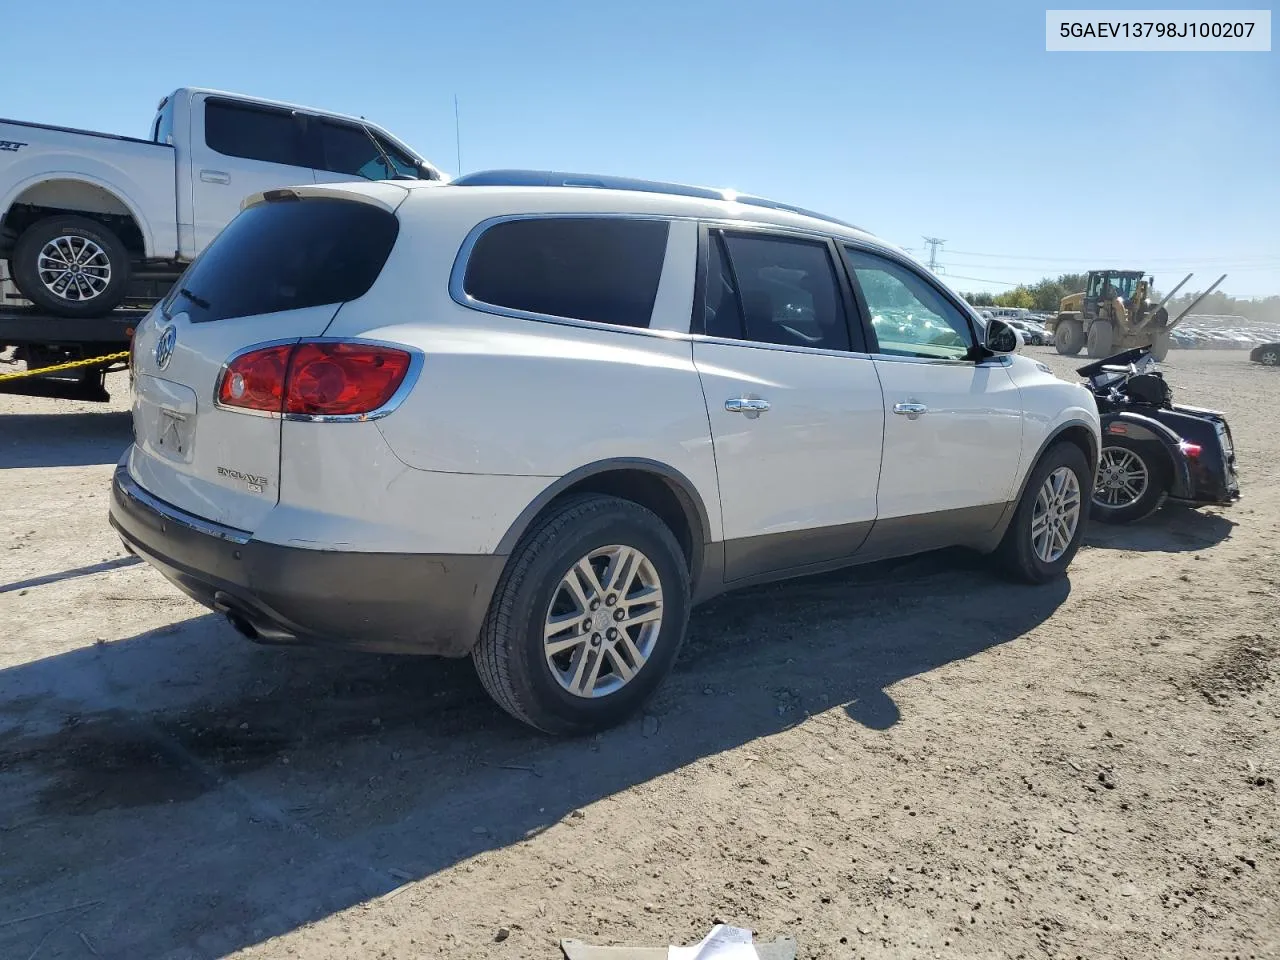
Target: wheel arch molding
652, 484
1134, 426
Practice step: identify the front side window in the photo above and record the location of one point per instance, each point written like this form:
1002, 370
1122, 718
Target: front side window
255, 133
787, 292
603, 269
908, 314
350, 149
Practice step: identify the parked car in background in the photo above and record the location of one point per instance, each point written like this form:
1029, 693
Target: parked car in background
532, 418
1032, 333
1267, 354
82, 213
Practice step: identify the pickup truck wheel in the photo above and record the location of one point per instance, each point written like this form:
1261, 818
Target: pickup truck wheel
71, 266
587, 618
1049, 522
1132, 480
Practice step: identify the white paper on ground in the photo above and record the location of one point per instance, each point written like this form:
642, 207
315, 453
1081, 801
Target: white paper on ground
722, 943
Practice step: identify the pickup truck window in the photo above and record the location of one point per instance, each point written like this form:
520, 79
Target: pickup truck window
346, 148
256, 133
162, 132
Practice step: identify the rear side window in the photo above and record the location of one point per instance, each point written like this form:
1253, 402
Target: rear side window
788, 292
256, 133
604, 269
286, 255
722, 314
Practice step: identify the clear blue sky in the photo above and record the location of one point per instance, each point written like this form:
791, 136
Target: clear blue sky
947, 119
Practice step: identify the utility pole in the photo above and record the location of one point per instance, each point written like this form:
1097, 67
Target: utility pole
934, 243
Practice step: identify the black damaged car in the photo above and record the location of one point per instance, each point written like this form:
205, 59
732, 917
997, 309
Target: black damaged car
1154, 450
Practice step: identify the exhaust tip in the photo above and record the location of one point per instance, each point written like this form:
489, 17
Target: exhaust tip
241, 625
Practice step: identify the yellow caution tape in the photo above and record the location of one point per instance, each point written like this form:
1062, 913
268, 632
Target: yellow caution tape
71, 365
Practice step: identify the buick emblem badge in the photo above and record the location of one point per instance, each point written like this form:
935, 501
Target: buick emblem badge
164, 346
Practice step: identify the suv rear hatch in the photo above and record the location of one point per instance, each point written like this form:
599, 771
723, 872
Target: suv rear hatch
278, 273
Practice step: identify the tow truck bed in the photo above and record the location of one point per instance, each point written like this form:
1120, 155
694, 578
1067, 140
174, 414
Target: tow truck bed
46, 341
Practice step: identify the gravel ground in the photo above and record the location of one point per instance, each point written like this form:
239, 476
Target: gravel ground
907, 760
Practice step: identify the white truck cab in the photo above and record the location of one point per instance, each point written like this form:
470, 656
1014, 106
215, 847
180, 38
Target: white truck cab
87, 218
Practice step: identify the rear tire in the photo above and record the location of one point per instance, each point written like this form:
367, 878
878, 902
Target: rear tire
1020, 551
1270, 358
1069, 337
1101, 337
71, 266
542, 639
1132, 480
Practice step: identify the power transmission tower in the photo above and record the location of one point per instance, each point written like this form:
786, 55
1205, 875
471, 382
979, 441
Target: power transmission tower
934, 243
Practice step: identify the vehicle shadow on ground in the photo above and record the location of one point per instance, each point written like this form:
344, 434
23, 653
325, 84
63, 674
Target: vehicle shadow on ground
1172, 529
63, 439
202, 794
86, 571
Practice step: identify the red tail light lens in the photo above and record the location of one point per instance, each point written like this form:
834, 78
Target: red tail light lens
342, 379
255, 380
314, 378
1189, 449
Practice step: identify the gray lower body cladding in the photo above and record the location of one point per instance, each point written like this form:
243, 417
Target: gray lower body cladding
379, 602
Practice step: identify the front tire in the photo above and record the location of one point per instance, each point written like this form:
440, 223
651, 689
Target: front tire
1047, 526
1270, 357
587, 618
71, 266
1101, 337
1069, 337
1132, 481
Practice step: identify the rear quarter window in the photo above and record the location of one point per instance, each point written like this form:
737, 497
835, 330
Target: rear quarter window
602, 269
286, 255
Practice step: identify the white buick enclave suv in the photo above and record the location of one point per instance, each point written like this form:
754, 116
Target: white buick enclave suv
532, 418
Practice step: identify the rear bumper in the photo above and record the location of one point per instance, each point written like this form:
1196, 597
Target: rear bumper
379, 602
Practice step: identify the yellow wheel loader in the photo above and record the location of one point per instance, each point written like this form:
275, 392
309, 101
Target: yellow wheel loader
1114, 314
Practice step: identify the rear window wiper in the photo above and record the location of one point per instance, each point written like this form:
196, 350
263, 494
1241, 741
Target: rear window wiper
200, 302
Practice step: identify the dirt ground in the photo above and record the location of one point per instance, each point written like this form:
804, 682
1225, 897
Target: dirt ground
907, 760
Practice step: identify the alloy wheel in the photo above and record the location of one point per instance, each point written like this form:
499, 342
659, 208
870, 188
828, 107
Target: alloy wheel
1122, 478
603, 621
74, 268
1056, 514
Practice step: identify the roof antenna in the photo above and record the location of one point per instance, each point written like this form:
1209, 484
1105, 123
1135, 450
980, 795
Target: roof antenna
457, 133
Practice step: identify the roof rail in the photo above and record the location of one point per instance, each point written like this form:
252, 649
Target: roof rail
554, 178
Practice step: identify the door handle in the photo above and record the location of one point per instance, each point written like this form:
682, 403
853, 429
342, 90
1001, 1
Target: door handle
912, 411
751, 406
215, 176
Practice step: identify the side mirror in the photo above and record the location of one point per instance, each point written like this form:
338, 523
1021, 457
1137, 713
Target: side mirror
1000, 338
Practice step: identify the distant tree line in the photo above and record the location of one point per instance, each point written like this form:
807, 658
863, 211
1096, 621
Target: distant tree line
1047, 294
1042, 297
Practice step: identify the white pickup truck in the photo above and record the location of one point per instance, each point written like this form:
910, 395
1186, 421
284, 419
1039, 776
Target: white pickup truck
84, 215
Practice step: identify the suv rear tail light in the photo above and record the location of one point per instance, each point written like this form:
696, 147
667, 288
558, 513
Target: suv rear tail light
336, 379
314, 378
